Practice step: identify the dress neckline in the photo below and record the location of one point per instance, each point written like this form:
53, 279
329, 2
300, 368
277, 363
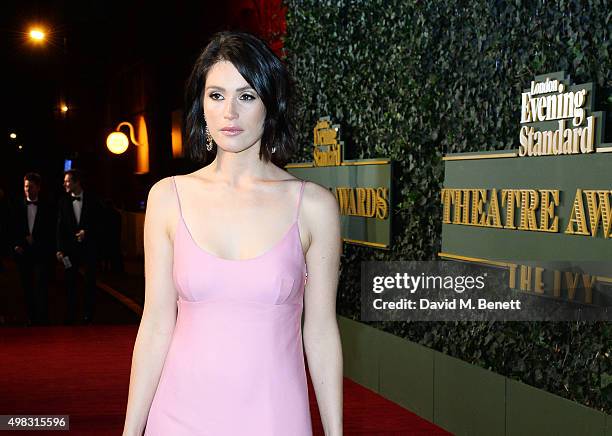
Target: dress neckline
250, 259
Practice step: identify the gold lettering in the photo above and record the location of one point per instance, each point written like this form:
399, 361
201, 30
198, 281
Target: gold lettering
363, 202
493, 215
539, 287
539, 284
557, 143
599, 209
512, 269
577, 216
382, 203
541, 108
327, 155
568, 105
579, 99
478, 196
525, 112
525, 280
529, 203
342, 194
360, 201
547, 142
535, 208
548, 210
576, 139
571, 280
588, 136
462, 206
567, 143
551, 107
523, 140
588, 282
513, 196
537, 148
447, 195
370, 202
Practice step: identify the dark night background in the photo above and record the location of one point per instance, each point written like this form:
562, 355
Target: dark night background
112, 61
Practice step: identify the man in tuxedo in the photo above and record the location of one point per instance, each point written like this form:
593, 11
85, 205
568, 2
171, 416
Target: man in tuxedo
78, 239
32, 237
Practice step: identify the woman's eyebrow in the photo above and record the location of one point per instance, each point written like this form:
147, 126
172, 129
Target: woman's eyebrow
223, 89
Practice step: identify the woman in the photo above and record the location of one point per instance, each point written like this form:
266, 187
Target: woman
238, 249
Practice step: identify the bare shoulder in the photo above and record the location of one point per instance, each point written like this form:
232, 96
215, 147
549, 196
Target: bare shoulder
159, 202
319, 198
320, 208
161, 192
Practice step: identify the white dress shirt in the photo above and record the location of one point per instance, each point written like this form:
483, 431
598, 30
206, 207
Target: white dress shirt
77, 206
32, 209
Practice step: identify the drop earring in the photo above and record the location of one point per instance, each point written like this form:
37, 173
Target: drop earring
273, 149
209, 140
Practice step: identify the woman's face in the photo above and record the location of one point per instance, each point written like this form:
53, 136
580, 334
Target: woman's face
233, 110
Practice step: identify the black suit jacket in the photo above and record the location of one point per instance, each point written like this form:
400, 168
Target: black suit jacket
91, 221
43, 241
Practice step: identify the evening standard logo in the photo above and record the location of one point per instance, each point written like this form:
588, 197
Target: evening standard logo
412, 283
558, 118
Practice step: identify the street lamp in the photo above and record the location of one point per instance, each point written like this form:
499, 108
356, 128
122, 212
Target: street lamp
37, 34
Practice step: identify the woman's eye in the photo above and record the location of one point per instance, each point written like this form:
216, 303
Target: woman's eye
217, 96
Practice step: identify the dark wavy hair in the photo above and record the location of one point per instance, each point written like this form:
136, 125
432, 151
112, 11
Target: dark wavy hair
268, 76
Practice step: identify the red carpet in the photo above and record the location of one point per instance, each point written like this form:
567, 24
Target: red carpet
84, 372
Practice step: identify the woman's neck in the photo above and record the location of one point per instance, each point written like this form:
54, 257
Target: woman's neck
236, 169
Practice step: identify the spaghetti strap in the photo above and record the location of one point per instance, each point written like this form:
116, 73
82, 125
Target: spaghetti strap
177, 197
297, 212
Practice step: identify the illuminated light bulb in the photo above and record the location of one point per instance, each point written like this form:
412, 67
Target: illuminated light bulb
117, 142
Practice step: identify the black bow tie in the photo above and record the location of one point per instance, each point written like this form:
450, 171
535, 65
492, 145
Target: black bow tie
76, 197
32, 202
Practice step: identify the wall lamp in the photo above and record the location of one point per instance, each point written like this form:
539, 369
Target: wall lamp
117, 142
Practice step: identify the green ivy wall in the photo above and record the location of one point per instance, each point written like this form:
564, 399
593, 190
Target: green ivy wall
413, 80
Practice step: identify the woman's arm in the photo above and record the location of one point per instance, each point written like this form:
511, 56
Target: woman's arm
159, 313
321, 335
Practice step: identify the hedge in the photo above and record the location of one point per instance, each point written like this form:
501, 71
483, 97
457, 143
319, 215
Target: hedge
415, 80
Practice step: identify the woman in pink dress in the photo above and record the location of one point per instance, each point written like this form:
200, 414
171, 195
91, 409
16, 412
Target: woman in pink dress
235, 253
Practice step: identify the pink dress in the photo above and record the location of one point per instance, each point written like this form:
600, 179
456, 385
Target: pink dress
235, 365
